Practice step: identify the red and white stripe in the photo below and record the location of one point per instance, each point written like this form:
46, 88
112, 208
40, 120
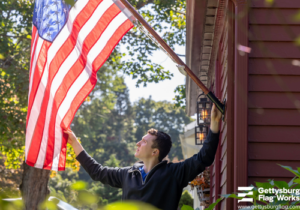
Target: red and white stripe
63, 73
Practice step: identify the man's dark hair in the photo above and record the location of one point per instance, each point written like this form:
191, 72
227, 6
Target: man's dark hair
162, 142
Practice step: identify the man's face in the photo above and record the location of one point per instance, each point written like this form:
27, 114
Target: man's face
144, 149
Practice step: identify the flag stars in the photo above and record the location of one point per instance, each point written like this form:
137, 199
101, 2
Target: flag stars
50, 17
48, 34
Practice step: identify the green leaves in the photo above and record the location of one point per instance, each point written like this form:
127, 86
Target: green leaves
186, 201
10, 205
162, 116
129, 206
296, 172
49, 205
212, 206
185, 207
14, 64
264, 185
167, 18
87, 198
281, 184
180, 98
79, 185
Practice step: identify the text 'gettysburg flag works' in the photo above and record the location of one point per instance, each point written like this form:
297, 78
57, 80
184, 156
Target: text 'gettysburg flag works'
69, 45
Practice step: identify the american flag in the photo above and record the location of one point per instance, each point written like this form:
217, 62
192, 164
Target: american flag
69, 45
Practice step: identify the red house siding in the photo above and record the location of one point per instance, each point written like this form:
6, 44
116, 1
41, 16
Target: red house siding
240, 98
263, 103
222, 173
262, 91
274, 86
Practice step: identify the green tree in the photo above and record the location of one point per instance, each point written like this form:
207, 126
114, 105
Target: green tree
105, 124
107, 193
15, 30
60, 185
167, 17
186, 199
161, 116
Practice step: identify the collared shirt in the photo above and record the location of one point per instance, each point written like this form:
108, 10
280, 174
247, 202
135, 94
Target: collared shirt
144, 174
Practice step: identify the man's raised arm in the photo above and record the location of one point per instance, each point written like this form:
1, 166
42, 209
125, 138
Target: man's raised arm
187, 170
106, 175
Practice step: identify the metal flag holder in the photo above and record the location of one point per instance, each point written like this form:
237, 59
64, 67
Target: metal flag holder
183, 68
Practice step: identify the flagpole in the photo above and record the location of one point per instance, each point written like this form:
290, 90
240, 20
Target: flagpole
205, 90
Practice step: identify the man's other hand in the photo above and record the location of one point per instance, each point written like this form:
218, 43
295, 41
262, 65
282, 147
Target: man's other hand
72, 137
216, 116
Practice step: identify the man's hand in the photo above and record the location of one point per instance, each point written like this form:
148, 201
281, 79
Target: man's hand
216, 116
72, 137
72, 140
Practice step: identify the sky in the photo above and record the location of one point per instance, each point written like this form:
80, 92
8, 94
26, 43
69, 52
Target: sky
163, 90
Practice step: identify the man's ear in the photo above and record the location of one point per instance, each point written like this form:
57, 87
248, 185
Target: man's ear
156, 152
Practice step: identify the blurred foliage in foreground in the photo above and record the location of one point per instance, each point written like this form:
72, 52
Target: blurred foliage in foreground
85, 199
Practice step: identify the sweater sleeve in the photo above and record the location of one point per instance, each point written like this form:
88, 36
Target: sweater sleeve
187, 170
106, 175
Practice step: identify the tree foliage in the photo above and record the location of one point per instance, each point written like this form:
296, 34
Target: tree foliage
186, 199
167, 17
15, 30
105, 122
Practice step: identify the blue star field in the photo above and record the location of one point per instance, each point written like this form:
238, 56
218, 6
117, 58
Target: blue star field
49, 17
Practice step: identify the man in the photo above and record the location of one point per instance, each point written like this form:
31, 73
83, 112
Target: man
153, 180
